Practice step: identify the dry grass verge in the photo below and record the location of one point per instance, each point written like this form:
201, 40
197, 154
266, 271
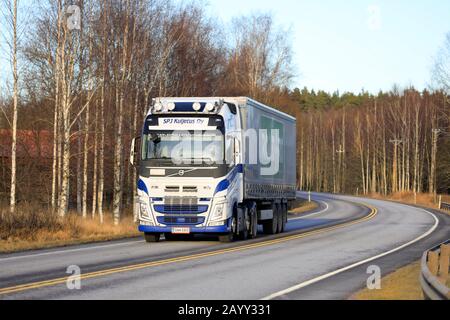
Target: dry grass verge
302, 206
402, 284
33, 228
423, 199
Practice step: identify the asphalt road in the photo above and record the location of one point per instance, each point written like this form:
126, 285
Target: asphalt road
323, 255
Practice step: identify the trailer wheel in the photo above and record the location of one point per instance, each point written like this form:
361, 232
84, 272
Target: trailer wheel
284, 214
271, 226
254, 220
152, 237
280, 218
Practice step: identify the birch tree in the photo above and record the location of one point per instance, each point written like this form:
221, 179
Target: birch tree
11, 18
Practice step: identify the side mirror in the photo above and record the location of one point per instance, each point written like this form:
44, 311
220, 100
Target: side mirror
134, 151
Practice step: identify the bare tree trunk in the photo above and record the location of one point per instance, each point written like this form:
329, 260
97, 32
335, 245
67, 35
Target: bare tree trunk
432, 179
374, 152
302, 142
55, 185
333, 152
79, 171
385, 179
101, 177
359, 144
94, 175
344, 164
134, 180
85, 161
416, 151
15, 106
64, 194
118, 175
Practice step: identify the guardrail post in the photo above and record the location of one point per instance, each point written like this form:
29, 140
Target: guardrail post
433, 262
444, 262
309, 196
440, 202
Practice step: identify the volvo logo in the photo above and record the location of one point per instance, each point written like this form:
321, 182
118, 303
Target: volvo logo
181, 173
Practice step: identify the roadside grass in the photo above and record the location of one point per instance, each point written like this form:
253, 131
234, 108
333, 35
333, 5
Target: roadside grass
402, 284
33, 227
424, 199
302, 206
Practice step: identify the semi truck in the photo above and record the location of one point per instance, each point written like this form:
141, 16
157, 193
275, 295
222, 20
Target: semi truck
218, 165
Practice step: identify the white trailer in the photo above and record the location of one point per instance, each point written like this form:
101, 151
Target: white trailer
218, 166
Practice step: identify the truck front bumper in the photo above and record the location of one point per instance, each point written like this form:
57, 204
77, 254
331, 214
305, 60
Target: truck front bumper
219, 229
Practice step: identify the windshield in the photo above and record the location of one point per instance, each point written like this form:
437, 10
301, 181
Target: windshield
181, 146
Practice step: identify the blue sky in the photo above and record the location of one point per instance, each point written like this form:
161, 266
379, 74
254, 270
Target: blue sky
348, 45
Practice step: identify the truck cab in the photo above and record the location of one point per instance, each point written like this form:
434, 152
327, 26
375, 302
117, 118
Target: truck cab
191, 173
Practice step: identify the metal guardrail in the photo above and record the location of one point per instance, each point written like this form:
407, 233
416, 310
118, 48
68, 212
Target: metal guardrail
434, 272
444, 206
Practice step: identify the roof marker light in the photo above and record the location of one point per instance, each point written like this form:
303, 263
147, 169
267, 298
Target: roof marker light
158, 107
171, 106
210, 107
196, 106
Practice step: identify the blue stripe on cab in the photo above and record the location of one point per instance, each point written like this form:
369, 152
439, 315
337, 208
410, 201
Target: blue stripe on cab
224, 184
141, 186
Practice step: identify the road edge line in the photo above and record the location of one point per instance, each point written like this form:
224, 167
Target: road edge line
356, 264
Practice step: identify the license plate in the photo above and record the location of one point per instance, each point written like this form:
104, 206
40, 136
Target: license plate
181, 230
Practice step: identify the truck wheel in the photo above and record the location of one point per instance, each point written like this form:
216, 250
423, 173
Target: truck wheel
271, 226
229, 237
254, 221
244, 234
152, 237
284, 215
280, 218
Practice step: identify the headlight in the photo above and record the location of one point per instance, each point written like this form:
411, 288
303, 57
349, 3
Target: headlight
145, 211
217, 223
219, 212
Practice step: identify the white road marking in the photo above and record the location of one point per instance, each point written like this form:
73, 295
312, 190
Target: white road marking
69, 250
312, 214
333, 273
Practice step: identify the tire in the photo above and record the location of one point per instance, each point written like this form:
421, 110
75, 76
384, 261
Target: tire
254, 221
284, 215
244, 234
230, 236
152, 237
271, 226
280, 218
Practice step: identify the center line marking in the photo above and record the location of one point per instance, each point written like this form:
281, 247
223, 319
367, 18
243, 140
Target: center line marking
51, 282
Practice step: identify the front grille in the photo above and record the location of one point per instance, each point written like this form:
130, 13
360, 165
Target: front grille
172, 189
189, 189
180, 208
181, 220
